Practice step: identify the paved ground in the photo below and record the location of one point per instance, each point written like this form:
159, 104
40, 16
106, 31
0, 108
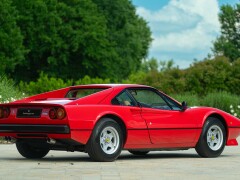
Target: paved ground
157, 165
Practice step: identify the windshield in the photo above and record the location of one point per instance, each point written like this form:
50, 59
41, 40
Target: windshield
79, 93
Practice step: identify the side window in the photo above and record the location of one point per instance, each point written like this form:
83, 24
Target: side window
149, 98
173, 104
123, 99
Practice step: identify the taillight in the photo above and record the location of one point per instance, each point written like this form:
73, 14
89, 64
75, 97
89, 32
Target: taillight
61, 113
52, 114
1, 113
4, 112
57, 113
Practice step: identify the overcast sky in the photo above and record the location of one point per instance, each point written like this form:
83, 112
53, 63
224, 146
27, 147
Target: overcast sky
182, 30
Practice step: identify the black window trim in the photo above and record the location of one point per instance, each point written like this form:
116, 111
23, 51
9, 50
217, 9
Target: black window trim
129, 95
166, 98
75, 89
159, 93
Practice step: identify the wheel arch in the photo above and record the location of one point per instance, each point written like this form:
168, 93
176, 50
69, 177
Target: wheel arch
120, 122
221, 119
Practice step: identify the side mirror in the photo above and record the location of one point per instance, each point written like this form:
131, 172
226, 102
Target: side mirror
184, 106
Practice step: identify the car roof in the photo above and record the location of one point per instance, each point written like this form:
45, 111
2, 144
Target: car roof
108, 86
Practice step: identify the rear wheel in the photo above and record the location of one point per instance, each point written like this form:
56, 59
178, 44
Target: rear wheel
31, 152
106, 141
213, 138
139, 153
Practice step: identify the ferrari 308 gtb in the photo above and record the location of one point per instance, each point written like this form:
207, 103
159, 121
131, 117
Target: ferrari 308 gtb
102, 120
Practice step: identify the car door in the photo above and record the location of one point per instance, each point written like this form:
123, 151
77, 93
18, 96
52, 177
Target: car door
137, 129
168, 125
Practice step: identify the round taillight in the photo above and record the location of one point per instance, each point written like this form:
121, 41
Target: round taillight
4, 112
53, 114
1, 113
61, 113
57, 113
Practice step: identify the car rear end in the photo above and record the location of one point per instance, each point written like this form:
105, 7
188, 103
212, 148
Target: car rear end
42, 124
34, 120
48, 121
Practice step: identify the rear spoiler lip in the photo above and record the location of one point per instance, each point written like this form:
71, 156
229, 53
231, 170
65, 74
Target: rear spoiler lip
30, 104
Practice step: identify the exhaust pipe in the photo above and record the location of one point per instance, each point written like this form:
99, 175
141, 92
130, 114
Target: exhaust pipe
51, 141
10, 139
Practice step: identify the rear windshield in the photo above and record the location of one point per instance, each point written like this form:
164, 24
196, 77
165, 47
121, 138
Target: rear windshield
79, 93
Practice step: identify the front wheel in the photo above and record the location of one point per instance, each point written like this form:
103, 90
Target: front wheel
31, 152
213, 139
106, 141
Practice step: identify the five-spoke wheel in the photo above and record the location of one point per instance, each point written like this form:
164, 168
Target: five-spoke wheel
109, 140
106, 141
213, 138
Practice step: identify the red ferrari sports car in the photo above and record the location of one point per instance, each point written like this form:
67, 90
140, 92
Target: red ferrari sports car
104, 119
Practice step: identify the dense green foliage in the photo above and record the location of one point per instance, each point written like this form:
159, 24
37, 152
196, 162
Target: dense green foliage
11, 49
221, 100
202, 77
127, 33
45, 83
8, 90
228, 44
210, 75
71, 39
63, 38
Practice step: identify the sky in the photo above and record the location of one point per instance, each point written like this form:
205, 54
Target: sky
182, 30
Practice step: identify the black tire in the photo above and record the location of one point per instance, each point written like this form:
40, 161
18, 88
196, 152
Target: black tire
29, 151
96, 144
204, 147
139, 153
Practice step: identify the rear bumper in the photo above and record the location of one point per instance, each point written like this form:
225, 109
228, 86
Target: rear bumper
50, 129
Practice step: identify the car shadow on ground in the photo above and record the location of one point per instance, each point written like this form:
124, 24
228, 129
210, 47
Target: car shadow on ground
158, 156
124, 156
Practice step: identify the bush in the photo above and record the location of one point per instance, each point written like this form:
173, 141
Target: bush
8, 90
89, 80
45, 84
201, 78
191, 99
222, 100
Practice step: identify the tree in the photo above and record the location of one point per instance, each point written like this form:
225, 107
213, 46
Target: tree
148, 65
166, 65
71, 39
234, 77
65, 39
11, 48
128, 33
210, 75
207, 76
228, 44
